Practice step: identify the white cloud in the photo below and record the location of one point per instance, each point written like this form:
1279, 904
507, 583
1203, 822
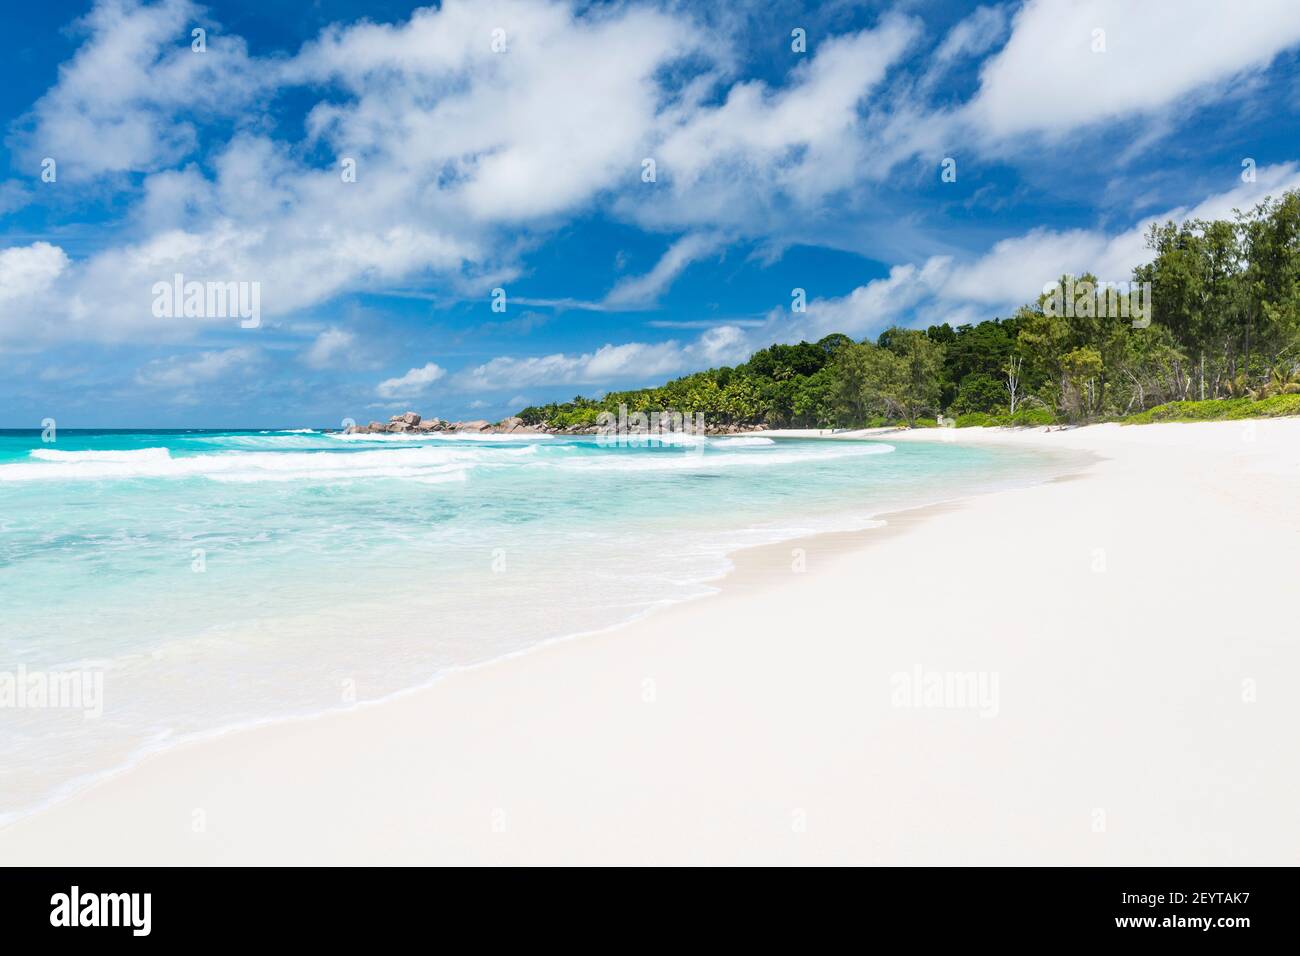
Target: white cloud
940, 289
451, 141
115, 104
562, 114
1013, 272
28, 274
1048, 79
413, 383
973, 36
759, 148
27, 271
302, 235
864, 311
329, 347
181, 373
632, 360
465, 157
640, 291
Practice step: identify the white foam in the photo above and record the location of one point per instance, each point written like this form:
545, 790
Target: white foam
438, 437
428, 476
429, 460
138, 455
340, 436
460, 475
268, 440
690, 461
419, 463
667, 438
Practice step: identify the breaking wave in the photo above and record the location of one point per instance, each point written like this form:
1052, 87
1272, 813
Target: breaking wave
426, 464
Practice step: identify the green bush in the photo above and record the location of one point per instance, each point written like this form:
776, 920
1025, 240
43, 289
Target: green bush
1025, 418
575, 416
1029, 418
1209, 410
1218, 409
976, 420
1277, 406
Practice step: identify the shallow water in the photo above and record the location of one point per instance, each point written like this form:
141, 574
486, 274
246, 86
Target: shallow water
215, 579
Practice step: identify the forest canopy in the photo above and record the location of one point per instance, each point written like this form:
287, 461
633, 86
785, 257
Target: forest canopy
1224, 324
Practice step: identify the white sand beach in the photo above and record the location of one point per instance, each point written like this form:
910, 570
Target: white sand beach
1130, 630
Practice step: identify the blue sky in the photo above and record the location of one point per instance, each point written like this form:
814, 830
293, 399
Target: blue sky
516, 160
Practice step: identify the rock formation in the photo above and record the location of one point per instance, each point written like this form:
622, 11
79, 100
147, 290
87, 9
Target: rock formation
410, 423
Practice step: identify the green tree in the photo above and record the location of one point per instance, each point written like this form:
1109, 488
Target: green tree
866, 379
1082, 368
979, 392
914, 381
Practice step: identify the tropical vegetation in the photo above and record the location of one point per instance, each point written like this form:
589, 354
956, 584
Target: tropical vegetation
1222, 341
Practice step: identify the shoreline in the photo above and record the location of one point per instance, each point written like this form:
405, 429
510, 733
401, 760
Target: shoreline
155, 798
742, 561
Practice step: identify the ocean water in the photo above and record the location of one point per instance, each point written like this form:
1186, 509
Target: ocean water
216, 579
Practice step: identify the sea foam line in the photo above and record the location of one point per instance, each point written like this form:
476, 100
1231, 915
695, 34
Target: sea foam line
418, 463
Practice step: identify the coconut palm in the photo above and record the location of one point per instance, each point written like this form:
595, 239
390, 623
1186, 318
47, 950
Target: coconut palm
1283, 379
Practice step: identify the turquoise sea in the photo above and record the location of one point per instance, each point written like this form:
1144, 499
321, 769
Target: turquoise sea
221, 578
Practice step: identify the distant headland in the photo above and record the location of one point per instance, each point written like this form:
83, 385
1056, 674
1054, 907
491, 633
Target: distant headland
412, 423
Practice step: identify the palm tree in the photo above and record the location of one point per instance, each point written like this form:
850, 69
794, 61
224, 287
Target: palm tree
1282, 380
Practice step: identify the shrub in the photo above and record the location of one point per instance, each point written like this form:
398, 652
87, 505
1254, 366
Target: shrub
1029, 418
1025, 418
1218, 409
976, 420
575, 416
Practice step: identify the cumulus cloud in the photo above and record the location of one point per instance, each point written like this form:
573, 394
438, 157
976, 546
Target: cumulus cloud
182, 373
449, 143
939, 289
629, 362
27, 271
1011, 273
762, 147
562, 112
1049, 79
115, 104
413, 383
1016, 269
609, 363
301, 235
466, 158
329, 348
